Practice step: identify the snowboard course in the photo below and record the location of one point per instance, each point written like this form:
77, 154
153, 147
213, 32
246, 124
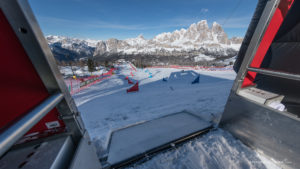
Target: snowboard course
106, 106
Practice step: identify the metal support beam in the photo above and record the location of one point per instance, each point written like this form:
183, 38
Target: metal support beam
11, 135
275, 73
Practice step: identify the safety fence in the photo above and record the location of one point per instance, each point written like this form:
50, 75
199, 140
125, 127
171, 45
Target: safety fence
132, 67
76, 85
206, 68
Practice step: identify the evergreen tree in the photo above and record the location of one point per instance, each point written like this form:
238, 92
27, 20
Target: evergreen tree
91, 66
106, 64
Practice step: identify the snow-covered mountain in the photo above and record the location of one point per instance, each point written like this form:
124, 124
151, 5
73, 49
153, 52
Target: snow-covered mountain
65, 48
197, 44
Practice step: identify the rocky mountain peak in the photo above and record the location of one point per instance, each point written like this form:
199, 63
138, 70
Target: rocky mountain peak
217, 28
141, 37
196, 33
193, 27
198, 39
202, 26
236, 40
219, 34
101, 48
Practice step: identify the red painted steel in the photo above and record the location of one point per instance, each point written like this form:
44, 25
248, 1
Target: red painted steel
134, 88
129, 81
21, 87
267, 39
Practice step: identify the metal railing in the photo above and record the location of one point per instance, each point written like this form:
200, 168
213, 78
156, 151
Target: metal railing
11, 135
275, 73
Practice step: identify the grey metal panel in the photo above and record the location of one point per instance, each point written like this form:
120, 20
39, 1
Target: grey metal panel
20, 16
54, 152
64, 155
133, 141
11, 135
85, 155
275, 134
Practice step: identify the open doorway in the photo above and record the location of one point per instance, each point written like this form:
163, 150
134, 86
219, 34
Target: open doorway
172, 77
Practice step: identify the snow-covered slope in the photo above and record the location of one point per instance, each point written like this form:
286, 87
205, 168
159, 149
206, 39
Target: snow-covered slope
215, 150
138, 41
68, 42
65, 48
106, 107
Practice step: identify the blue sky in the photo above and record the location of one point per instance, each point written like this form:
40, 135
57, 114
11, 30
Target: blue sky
103, 19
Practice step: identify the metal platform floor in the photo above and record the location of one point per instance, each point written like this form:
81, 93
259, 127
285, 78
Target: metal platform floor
133, 141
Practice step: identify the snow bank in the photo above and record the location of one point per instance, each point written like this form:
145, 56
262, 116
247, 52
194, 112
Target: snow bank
216, 149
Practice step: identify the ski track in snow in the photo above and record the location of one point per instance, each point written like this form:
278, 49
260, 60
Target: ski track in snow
106, 107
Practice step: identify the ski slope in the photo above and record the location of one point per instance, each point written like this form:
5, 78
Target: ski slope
106, 107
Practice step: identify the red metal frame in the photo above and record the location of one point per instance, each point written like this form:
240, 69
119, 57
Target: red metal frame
21, 87
267, 39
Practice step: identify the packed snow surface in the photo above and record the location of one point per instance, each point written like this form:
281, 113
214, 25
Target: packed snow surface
106, 107
130, 141
215, 150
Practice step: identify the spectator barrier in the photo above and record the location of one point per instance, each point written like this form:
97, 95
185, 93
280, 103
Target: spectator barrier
76, 85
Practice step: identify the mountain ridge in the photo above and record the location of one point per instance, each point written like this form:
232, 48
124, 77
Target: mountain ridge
185, 44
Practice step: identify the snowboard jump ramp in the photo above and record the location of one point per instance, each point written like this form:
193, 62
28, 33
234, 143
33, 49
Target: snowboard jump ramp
37, 110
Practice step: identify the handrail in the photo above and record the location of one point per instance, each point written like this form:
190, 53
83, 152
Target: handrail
11, 135
275, 73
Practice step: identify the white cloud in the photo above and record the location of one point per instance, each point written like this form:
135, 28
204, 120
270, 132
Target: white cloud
204, 10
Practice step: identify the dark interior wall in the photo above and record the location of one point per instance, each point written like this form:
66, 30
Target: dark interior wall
289, 88
284, 55
289, 30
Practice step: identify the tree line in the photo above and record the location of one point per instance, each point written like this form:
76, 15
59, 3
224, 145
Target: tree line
90, 63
